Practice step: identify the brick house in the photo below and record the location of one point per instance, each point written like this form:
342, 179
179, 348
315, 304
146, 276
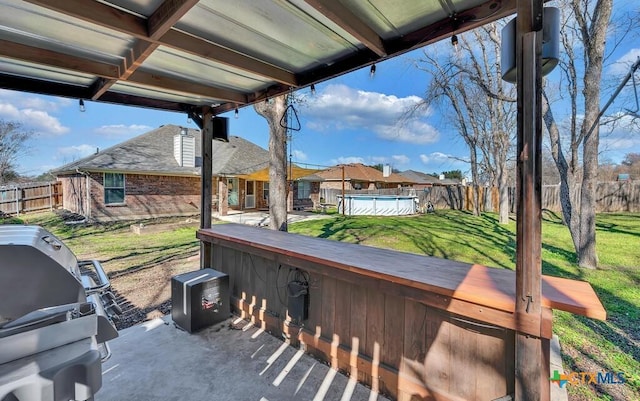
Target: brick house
357, 176
157, 174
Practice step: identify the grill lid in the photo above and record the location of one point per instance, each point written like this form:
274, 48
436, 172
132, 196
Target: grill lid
36, 271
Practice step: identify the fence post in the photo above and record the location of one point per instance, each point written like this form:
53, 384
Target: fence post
18, 202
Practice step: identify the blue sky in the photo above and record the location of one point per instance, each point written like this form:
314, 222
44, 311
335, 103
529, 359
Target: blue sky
352, 118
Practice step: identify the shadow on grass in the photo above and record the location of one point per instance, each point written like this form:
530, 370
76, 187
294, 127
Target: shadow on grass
177, 253
440, 233
602, 391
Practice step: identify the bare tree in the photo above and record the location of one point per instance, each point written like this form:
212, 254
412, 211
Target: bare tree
13, 143
481, 107
448, 89
631, 165
273, 111
583, 36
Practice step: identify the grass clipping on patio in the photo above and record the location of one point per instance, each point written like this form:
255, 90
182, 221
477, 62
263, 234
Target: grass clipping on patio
587, 345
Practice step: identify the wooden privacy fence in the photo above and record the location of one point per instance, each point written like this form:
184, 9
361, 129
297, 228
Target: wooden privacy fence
618, 196
24, 198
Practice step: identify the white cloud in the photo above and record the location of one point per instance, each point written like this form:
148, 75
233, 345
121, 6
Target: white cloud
347, 160
618, 143
33, 111
45, 103
121, 130
37, 120
41, 120
435, 157
371, 160
28, 101
378, 159
340, 107
75, 152
622, 65
416, 132
9, 111
623, 138
299, 155
401, 159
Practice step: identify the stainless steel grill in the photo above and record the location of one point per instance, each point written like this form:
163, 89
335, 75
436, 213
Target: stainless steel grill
56, 316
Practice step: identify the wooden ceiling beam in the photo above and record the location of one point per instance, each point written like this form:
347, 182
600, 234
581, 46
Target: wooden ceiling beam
347, 20
99, 14
464, 21
161, 21
111, 18
52, 58
186, 87
41, 86
109, 74
219, 54
166, 16
134, 59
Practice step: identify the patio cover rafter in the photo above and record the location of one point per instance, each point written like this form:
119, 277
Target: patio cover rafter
110, 74
109, 17
162, 19
348, 21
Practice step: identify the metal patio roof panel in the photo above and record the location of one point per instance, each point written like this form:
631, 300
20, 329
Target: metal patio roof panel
53, 74
171, 62
279, 33
186, 55
131, 88
398, 17
34, 26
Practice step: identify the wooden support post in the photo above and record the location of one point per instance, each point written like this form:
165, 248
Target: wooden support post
344, 203
206, 181
530, 360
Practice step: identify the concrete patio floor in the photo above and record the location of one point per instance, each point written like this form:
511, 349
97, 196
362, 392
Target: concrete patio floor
261, 218
158, 361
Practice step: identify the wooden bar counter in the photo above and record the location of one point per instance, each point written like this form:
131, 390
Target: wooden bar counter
405, 324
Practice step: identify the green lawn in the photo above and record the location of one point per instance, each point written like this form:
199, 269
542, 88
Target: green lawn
588, 345
116, 246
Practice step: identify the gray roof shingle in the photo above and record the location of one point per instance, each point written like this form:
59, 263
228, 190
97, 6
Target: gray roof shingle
152, 152
419, 177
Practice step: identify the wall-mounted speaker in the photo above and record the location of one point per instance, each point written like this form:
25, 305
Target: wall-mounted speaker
220, 128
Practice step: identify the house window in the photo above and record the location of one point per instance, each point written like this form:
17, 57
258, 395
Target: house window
265, 191
113, 188
304, 190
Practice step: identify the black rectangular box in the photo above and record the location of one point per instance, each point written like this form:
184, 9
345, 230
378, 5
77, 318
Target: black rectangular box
199, 299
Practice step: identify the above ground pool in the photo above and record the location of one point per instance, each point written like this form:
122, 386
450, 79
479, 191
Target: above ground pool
378, 205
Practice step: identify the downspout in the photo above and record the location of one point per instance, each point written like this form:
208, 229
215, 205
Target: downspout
88, 186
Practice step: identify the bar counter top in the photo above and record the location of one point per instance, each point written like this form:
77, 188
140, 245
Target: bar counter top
481, 285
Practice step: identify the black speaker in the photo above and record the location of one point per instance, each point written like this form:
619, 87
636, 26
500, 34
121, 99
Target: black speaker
199, 299
220, 128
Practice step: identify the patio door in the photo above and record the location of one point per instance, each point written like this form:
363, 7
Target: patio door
250, 197
232, 186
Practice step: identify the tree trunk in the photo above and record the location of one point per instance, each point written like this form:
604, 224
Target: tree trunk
475, 177
272, 111
593, 36
503, 191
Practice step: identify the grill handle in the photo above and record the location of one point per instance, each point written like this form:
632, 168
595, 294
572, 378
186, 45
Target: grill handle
103, 281
52, 242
